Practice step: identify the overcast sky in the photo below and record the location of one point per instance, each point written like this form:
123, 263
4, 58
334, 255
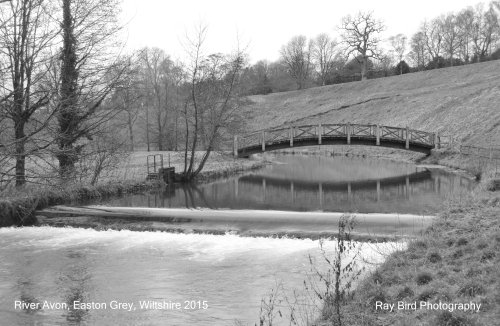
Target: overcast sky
264, 25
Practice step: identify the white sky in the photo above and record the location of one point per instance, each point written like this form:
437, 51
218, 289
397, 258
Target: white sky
264, 25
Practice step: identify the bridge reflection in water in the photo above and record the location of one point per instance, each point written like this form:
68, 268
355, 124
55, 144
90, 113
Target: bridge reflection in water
420, 192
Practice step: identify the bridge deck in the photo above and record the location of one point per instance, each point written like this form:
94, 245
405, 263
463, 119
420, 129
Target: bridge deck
335, 134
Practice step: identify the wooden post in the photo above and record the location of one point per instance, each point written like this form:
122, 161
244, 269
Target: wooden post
377, 132
319, 134
291, 136
235, 146
348, 131
320, 194
264, 190
263, 140
407, 145
436, 140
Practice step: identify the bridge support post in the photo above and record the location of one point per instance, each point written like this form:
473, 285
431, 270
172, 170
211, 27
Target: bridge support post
235, 146
348, 132
263, 141
377, 135
319, 134
407, 145
291, 136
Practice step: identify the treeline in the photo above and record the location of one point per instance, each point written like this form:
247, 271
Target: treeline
71, 105
468, 36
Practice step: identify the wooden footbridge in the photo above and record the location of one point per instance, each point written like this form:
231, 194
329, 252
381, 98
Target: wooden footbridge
335, 134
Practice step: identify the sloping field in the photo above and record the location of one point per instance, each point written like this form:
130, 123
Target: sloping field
460, 101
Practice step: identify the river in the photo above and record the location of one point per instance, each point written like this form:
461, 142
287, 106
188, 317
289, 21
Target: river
216, 279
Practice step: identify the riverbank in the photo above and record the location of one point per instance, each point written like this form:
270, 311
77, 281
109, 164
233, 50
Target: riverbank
17, 206
455, 261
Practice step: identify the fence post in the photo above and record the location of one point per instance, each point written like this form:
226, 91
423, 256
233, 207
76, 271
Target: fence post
263, 140
291, 136
377, 134
436, 140
348, 131
407, 145
319, 134
235, 146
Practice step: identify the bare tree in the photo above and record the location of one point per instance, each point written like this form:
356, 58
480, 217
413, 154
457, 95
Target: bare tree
213, 97
484, 31
398, 43
433, 39
324, 53
127, 97
465, 23
361, 35
25, 40
296, 55
157, 67
450, 30
418, 50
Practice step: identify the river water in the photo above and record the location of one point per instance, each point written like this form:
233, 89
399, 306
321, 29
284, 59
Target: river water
216, 279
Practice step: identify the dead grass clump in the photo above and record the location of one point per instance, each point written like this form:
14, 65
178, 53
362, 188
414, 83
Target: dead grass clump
457, 254
427, 294
487, 256
423, 278
462, 242
471, 289
419, 244
434, 257
405, 292
376, 293
446, 318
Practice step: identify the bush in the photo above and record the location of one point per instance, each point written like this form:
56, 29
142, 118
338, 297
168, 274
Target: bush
401, 68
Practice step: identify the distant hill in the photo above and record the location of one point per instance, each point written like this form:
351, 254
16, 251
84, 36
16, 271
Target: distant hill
463, 101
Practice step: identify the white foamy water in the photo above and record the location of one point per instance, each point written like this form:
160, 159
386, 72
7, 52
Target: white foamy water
229, 272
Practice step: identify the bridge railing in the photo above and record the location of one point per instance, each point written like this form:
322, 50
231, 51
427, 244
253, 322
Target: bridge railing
290, 134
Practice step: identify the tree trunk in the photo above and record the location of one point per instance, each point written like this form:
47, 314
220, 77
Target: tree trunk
68, 116
20, 153
130, 130
364, 63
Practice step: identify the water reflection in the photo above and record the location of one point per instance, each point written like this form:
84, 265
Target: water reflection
312, 183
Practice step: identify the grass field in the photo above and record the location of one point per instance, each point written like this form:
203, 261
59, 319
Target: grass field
461, 101
455, 261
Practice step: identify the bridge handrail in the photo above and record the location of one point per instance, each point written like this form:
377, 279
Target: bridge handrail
299, 132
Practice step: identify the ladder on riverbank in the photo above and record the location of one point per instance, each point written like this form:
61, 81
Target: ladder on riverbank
154, 166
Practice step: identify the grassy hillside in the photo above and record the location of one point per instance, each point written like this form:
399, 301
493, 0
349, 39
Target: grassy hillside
463, 101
